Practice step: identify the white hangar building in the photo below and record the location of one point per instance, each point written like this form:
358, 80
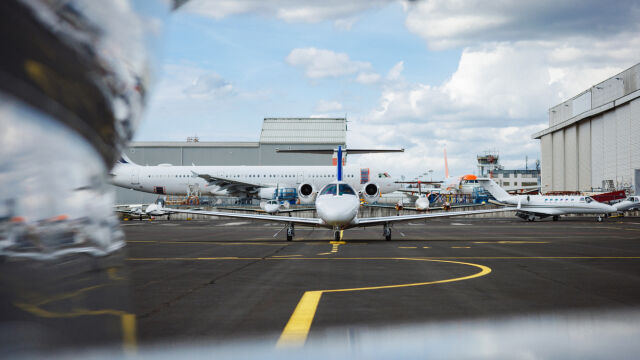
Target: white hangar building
593, 139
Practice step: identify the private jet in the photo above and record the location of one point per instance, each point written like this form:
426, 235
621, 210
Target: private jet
630, 203
337, 206
528, 207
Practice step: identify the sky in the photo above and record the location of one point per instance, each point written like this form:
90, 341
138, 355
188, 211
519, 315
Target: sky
470, 76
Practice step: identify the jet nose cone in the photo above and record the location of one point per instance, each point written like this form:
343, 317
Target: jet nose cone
609, 208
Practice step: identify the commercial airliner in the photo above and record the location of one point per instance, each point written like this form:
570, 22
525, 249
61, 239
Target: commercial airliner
337, 205
248, 181
531, 206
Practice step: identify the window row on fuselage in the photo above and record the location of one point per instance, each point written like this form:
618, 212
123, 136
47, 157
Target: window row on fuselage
251, 176
582, 199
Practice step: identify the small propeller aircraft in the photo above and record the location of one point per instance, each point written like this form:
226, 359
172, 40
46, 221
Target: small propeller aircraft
337, 205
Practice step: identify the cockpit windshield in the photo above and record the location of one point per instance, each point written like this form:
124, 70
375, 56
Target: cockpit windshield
588, 199
345, 189
632, 198
329, 190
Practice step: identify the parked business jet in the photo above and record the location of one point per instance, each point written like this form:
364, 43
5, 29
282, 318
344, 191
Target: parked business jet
142, 210
337, 205
531, 206
632, 202
248, 181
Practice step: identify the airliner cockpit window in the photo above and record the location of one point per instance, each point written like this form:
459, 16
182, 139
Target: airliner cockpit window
329, 190
588, 199
346, 190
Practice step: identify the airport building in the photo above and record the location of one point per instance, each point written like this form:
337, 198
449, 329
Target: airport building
593, 139
282, 133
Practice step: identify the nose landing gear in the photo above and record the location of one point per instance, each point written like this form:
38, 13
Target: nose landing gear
386, 232
290, 232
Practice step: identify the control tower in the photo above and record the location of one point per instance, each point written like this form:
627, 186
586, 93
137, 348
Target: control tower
488, 162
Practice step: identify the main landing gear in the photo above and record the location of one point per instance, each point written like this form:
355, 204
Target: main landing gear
386, 232
336, 235
290, 232
556, 218
599, 218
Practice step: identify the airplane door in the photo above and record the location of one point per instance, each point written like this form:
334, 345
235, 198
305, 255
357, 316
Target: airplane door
300, 177
135, 178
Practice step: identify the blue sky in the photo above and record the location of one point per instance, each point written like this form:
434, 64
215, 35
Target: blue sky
421, 76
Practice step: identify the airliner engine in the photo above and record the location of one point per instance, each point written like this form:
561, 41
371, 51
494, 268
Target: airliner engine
267, 193
370, 192
307, 193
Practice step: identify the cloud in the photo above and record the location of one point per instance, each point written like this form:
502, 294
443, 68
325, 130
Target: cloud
308, 11
328, 106
395, 73
321, 63
368, 78
345, 24
445, 23
209, 84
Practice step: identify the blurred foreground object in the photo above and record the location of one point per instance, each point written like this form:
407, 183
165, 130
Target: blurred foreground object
74, 78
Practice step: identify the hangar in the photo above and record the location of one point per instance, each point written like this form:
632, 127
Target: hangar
593, 139
284, 133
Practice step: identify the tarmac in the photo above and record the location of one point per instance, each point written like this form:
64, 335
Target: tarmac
217, 280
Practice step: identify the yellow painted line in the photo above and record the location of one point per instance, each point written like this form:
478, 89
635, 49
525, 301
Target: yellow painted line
297, 329
337, 242
510, 242
327, 253
407, 247
129, 332
426, 247
394, 258
284, 256
461, 247
210, 243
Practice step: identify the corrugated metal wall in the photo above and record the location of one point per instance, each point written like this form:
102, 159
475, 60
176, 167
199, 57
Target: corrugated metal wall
584, 156
546, 163
634, 124
570, 158
623, 157
558, 160
609, 148
597, 151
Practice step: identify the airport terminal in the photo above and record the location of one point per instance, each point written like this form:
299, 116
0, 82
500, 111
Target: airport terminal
277, 249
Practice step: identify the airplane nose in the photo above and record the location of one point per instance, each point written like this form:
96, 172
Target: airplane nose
609, 208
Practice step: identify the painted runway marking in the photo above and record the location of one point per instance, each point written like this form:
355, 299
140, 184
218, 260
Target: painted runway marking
461, 247
387, 258
284, 256
297, 329
407, 247
460, 224
426, 247
511, 242
326, 253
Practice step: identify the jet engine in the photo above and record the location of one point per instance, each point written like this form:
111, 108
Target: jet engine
267, 193
307, 193
370, 192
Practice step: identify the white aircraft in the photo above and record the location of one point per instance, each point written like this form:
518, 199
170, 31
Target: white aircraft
632, 202
531, 206
337, 206
141, 210
249, 181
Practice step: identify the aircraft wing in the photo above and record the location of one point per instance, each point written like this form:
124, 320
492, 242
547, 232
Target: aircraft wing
273, 218
391, 219
231, 186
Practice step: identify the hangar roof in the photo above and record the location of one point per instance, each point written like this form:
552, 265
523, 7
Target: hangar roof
304, 131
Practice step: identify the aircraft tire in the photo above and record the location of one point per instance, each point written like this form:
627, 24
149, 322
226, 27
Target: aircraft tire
388, 237
556, 218
599, 218
289, 238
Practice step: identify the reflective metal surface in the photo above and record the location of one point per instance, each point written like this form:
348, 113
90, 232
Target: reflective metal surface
74, 78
